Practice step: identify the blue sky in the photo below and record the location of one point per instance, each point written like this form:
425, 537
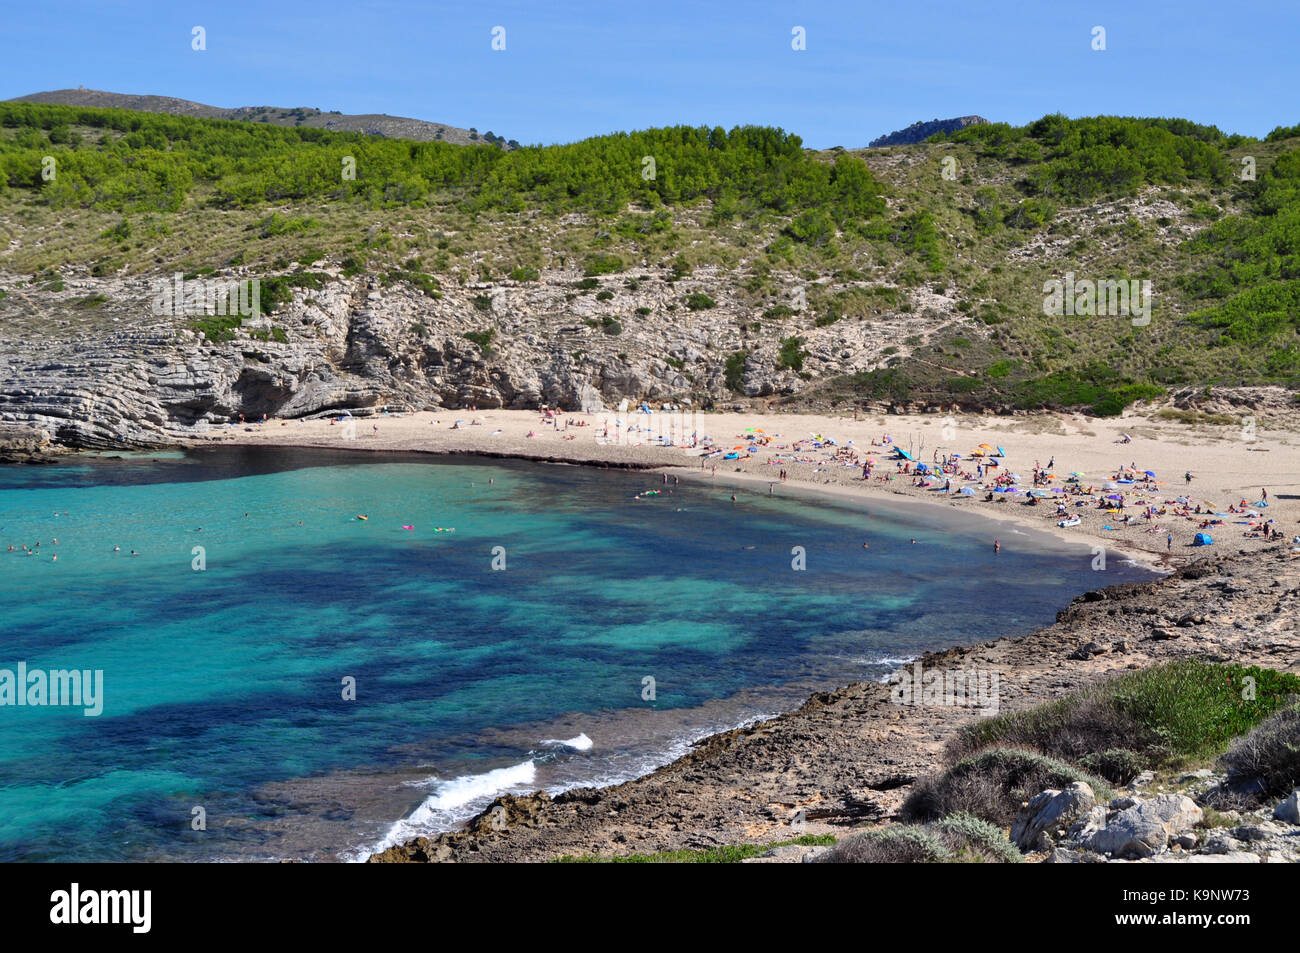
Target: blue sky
575, 69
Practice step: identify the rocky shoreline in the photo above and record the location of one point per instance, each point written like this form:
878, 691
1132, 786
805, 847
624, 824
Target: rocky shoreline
849, 757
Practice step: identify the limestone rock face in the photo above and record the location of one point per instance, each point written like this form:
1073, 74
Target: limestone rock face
20, 444
1146, 827
123, 376
1051, 811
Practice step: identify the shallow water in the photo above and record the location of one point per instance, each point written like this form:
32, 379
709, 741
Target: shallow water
224, 686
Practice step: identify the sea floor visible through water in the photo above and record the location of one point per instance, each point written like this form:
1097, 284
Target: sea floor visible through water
283, 679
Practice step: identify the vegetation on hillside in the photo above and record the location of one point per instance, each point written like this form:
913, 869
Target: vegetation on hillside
960, 232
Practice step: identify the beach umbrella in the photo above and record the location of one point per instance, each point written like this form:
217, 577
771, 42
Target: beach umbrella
1001, 452
1115, 496
1150, 474
1077, 473
966, 491
1014, 477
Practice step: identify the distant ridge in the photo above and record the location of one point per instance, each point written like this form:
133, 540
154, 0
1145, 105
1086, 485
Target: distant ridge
921, 131
391, 127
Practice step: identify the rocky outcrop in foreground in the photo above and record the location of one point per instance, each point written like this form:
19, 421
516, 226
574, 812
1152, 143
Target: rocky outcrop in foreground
1070, 827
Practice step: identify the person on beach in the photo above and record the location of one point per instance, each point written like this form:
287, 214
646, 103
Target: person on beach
997, 546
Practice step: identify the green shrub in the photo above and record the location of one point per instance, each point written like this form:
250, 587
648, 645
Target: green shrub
1269, 754
992, 785
970, 838
1180, 711
1117, 765
792, 353
899, 844
119, 232
525, 273
602, 265
698, 301
734, 370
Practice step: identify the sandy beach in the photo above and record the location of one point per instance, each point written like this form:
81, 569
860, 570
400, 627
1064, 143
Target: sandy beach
1230, 465
849, 757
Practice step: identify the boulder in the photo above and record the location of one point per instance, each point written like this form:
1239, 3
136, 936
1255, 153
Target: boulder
1087, 825
1179, 813
1063, 856
1142, 828
1135, 832
1289, 809
1049, 812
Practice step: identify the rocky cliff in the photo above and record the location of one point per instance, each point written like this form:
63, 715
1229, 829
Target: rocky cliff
114, 374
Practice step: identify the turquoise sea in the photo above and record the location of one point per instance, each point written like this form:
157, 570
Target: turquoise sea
226, 669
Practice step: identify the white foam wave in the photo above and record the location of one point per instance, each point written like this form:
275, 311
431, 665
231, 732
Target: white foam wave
450, 802
470, 787
580, 743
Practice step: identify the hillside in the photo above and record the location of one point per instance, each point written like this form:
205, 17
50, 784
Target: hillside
735, 266
391, 127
